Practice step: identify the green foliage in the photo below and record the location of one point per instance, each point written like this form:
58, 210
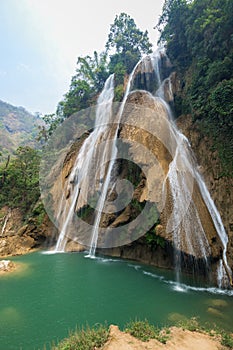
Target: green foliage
199, 36
172, 28
93, 70
127, 59
145, 331
19, 179
227, 340
127, 42
125, 46
85, 339
154, 240
119, 71
221, 102
85, 212
17, 128
96, 337
38, 213
137, 206
125, 36
191, 324
77, 98
91, 74
52, 121
119, 93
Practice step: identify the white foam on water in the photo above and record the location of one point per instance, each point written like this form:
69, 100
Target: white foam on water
182, 287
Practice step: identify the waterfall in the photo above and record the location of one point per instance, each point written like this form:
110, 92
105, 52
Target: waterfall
217, 222
88, 158
7, 217
222, 277
184, 221
92, 176
106, 183
182, 180
185, 215
79, 177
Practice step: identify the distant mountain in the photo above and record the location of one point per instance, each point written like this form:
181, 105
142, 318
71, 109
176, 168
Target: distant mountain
18, 127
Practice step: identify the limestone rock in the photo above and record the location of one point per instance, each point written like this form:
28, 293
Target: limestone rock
6, 265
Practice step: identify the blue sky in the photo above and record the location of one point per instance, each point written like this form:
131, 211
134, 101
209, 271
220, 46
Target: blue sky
40, 41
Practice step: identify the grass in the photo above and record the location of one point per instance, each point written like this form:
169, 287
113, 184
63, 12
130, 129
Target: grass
85, 339
227, 340
97, 336
145, 331
192, 325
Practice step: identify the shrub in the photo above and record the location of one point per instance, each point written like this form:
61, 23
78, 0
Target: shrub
85, 339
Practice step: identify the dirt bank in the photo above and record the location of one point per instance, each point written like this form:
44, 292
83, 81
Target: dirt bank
179, 340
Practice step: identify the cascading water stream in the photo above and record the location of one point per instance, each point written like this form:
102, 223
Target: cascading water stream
84, 163
218, 225
107, 180
7, 217
183, 206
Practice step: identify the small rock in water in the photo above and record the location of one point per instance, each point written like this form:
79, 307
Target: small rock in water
177, 317
217, 303
215, 312
6, 265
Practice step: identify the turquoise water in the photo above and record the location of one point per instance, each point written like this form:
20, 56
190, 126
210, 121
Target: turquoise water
52, 294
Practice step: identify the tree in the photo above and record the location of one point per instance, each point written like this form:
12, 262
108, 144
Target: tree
52, 121
93, 70
91, 74
20, 187
127, 42
77, 98
172, 26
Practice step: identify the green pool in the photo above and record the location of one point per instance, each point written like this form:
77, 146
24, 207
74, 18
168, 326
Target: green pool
53, 293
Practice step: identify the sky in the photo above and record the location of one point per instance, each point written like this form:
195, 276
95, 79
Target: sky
40, 41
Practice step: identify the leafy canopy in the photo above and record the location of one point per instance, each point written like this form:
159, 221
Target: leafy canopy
125, 36
198, 35
127, 42
19, 179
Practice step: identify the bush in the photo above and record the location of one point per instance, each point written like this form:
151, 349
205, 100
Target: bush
85, 339
144, 331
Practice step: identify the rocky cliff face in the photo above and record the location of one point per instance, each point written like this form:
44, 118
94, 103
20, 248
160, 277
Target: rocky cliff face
17, 238
134, 132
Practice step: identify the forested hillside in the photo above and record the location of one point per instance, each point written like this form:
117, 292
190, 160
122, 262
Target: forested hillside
198, 36
18, 127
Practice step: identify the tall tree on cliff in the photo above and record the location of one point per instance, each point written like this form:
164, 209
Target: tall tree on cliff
127, 42
125, 46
